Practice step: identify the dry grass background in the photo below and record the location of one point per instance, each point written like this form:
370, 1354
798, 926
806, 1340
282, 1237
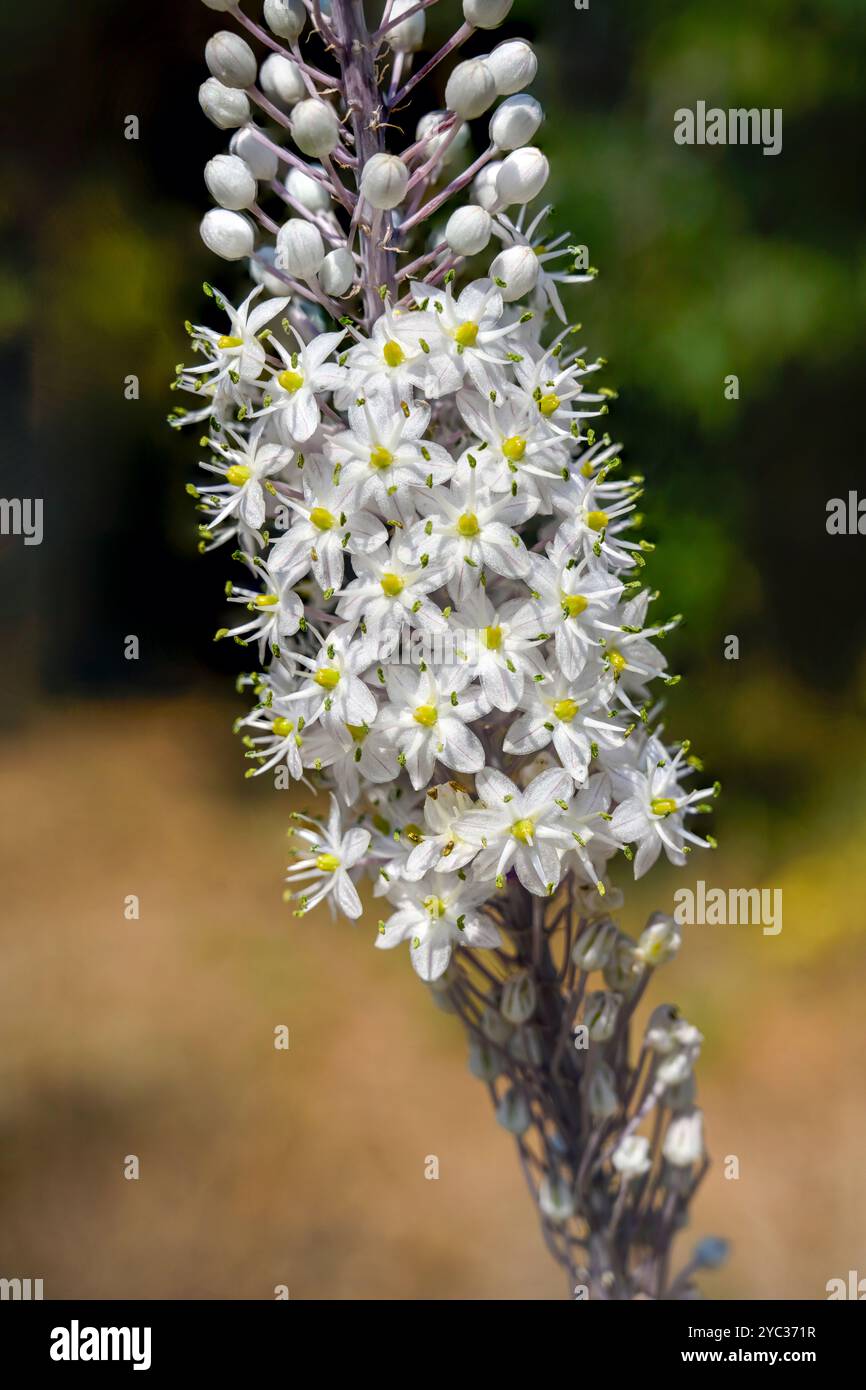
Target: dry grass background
306, 1168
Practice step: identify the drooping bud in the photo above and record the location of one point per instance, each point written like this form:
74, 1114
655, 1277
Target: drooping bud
513, 65
659, 941
513, 1111
483, 1060
603, 1099
230, 182
230, 59
314, 127
468, 231
470, 89
601, 1013
225, 106
522, 176
227, 234
515, 122
259, 158
337, 271
621, 969
631, 1157
592, 949
285, 18
484, 186
282, 81
264, 273
384, 180
556, 1198
519, 998
408, 35
515, 272
300, 249
495, 1028
684, 1141
430, 122
486, 14
309, 192
526, 1046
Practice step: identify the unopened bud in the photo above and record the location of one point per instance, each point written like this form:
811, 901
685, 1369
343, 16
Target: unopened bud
526, 1046
659, 941
631, 1157
513, 65
470, 89
285, 18
408, 35
519, 998
264, 272
592, 949
309, 192
494, 1027
230, 182
603, 1099
484, 186
601, 1013
314, 127
486, 14
225, 106
522, 176
515, 272
384, 180
468, 231
227, 234
259, 158
556, 1198
230, 59
684, 1141
483, 1060
620, 969
515, 122
300, 249
513, 1111
281, 80
430, 122
337, 271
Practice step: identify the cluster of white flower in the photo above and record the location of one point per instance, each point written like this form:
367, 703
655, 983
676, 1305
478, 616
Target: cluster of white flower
403, 456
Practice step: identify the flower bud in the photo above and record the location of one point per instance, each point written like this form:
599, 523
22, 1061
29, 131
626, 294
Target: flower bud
456, 143
219, 4
483, 1060
495, 1028
603, 1099
285, 18
281, 80
592, 949
484, 186
676, 1068
384, 180
684, 1141
522, 176
337, 271
230, 59
468, 231
660, 1028
408, 36
230, 182
300, 249
519, 998
309, 192
556, 1198
620, 970
659, 941
601, 1013
225, 106
515, 122
526, 1046
227, 234
513, 65
631, 1157
470, 89
486, 14
513, 1111
262, 270
314, 126
515, 272
259, 158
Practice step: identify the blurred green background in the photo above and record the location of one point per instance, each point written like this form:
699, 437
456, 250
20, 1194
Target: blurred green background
122, 777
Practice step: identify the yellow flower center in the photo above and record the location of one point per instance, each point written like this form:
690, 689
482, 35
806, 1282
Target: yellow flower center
596, 521
435, 907
226, 343
514, 448
381, 458
392, 585
267, 600
663, 805
426, 715
291, 381
492, 638
587, 470
358, 732
328, 677
413, 832
322, 519
566, 710
393, 353
523, 830
282, 727
549, 403
238, 474
466, 335
327, 863
616, 659
574, 604
468, 525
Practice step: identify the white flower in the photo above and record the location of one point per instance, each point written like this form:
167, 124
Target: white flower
328, 525
520, 829
294, 391
277, 610
567, 714
355, 755
653, 815
390, 591
331, 855
632, 1157
440, 848
500, 646
546, 251
384, 362
684, 1140
246, 464
426, 717
461, 332
384, 452
236, 359
435, 915
331, 688
575, 605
